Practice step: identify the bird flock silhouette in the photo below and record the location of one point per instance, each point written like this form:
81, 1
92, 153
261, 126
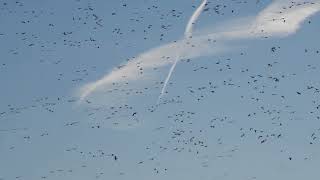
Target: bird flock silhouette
243, 104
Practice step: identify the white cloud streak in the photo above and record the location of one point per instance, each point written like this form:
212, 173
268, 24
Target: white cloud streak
281, 18
187, 34
194, 18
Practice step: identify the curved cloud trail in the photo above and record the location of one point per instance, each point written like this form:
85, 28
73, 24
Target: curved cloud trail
187, 34
194, 18
268, 23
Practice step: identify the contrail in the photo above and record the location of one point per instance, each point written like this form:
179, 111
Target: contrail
187, 34
168, 78
193, 19
268, 23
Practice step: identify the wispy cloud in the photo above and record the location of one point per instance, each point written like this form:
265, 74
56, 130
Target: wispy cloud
281, 18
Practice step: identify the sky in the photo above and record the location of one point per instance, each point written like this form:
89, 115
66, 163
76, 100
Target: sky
150, 89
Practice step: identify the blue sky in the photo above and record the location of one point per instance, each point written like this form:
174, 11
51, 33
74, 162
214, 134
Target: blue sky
80, 82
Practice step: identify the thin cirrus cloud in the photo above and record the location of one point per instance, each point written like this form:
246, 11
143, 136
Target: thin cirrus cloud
280, 19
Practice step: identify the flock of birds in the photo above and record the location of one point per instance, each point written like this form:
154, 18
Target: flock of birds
223, 105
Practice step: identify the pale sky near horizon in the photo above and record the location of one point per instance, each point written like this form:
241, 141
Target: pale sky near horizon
249, 111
